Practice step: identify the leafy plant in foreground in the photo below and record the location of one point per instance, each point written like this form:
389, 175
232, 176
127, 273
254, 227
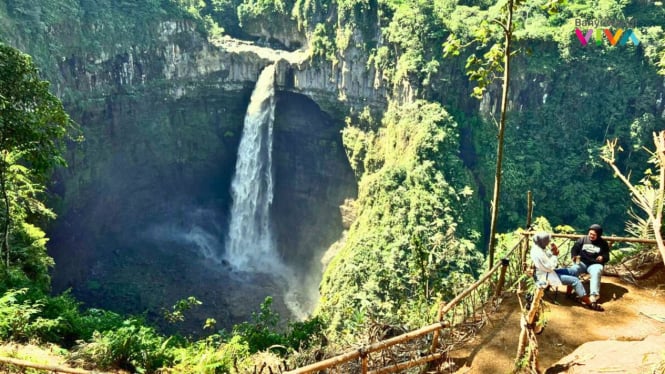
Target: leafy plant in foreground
133, 346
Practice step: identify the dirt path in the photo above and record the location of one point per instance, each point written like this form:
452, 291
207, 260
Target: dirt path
631, 313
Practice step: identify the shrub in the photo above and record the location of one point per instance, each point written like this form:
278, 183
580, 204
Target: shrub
133, 346
260, 333
209, 356
74, 325
303, 335
16, 315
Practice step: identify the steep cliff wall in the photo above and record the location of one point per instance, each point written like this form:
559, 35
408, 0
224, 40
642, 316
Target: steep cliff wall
162, 106
143, 205
558, 121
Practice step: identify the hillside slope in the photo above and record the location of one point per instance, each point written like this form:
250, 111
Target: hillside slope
632, 313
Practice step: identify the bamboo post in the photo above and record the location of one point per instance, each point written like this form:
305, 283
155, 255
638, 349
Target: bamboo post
529, 208
445, 308
502, 277
528, 324
534, 305
409, 364
529, 212
364, 362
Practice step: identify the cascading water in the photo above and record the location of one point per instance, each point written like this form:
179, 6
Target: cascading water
250, 245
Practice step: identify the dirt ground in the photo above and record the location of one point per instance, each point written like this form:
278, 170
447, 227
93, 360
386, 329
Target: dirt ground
632, 312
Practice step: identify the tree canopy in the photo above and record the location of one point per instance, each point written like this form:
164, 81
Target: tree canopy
408, 248
33, 128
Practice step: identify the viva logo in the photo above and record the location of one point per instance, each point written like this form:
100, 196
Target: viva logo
620, 37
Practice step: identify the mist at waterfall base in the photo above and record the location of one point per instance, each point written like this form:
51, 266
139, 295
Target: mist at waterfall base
297, 292
199, 238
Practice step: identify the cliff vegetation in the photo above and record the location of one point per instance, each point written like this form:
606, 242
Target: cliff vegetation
160, 101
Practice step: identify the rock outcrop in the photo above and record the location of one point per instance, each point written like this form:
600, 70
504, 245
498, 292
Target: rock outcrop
630, 357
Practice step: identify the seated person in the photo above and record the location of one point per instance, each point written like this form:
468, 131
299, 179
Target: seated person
546, 262
589, 253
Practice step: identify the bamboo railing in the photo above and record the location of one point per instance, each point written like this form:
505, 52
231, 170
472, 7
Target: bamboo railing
457, 321
45, 367
610, 239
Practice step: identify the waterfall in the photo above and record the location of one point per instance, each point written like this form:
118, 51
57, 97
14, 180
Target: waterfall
250, 244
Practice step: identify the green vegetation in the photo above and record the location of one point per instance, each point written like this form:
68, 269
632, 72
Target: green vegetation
407, 249
418, 229
100, 29
563, 117
262, 332
253, 10
106, 341
33, 127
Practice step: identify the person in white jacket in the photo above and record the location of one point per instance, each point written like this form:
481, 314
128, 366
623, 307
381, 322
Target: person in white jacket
546, 261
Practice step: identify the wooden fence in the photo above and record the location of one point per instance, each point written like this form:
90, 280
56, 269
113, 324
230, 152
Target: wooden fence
44, 367
457, 321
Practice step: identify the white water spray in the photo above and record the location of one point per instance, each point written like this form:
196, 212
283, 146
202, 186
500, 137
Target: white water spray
250, 244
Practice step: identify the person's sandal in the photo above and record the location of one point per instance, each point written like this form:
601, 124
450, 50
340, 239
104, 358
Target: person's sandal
595, 306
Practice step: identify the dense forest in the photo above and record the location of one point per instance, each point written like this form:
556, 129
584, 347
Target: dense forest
101, 101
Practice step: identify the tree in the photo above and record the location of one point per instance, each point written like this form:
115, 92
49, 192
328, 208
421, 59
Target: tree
33, 126
649, 193
508, 37
496, 59
483, 70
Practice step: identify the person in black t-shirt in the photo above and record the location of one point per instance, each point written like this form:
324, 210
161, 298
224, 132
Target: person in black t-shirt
590, 254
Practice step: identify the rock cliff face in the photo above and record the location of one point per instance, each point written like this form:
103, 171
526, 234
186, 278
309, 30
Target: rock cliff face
183, 57
143, 205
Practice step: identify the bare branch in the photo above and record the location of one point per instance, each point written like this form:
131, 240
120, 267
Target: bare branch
651, 198
503, 26
659, 141
609, 158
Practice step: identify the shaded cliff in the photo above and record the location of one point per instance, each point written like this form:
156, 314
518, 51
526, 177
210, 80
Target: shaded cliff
143, 205
161, 101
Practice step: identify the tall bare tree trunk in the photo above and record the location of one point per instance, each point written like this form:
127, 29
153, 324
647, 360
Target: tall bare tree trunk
5, 229
508, 33
653, 209
659, 140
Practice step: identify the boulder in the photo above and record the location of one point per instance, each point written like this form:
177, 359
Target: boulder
610, 356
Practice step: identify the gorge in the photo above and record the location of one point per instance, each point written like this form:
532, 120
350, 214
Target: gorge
146, 202
156, 204
177, 249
